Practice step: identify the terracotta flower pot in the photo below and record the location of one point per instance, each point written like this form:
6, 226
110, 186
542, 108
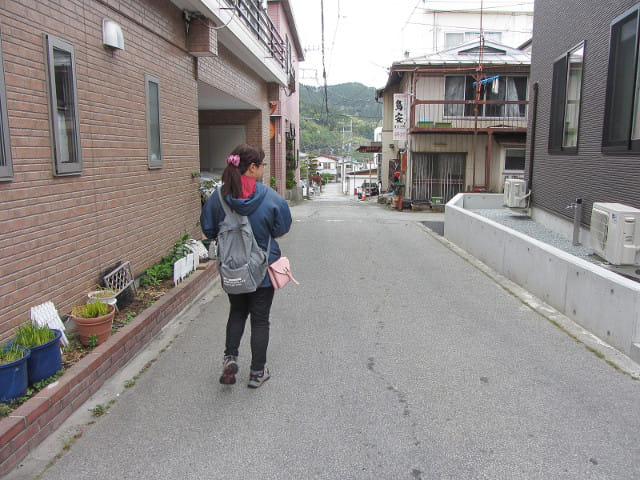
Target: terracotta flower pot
100, 326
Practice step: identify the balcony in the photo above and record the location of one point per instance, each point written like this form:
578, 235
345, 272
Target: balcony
259, 23
448, 116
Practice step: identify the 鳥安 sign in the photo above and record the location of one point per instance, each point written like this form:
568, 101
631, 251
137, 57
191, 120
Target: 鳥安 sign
400, 116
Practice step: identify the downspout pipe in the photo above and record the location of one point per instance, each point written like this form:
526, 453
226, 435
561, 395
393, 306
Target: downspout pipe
487, 174
532, 138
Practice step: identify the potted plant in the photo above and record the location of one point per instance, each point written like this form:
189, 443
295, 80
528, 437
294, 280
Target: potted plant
398, 191
104, 295
44, 343
93, 318
13, 372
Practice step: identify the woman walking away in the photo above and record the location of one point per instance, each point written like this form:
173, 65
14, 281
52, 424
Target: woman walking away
270, 218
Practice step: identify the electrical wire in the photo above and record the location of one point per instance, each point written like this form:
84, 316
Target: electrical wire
324, 69
471, 9
335, 34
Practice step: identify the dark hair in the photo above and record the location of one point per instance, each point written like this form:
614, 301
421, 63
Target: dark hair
231, 182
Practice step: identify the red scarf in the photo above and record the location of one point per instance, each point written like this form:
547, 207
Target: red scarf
248, 186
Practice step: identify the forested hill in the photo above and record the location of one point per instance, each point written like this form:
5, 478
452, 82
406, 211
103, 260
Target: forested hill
322, 133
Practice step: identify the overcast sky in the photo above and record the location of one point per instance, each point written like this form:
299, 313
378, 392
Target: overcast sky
362, 38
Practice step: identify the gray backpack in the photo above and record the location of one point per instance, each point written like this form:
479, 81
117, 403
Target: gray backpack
241, 261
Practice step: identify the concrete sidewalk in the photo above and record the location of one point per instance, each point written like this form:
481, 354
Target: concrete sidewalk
38, 418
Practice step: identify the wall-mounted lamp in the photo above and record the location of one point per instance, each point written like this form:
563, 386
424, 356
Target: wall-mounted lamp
392, 145
112, 34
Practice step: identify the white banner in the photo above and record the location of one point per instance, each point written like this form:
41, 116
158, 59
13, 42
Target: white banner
400, 116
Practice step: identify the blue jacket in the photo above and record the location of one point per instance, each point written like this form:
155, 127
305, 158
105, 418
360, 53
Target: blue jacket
268, 214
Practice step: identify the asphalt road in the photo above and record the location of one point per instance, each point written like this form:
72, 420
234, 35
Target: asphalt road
396, 358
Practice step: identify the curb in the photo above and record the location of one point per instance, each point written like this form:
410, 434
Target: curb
41, 415
614, 357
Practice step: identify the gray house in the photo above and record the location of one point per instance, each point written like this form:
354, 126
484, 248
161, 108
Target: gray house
584, 133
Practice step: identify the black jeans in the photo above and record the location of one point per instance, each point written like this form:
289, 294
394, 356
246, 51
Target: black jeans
258, 305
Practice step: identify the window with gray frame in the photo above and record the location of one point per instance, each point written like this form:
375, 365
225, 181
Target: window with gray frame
514, 160
621, 130
154, 139
566, 95
63, 95
6, 165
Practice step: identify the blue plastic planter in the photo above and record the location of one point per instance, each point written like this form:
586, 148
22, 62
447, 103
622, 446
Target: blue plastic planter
14, 378
45, 359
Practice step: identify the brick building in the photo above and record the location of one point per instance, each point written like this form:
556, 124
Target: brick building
108, 111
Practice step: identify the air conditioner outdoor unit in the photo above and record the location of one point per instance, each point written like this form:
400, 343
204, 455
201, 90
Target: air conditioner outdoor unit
615, 233
515, 190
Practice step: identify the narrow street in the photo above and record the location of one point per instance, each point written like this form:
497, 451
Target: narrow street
394, 358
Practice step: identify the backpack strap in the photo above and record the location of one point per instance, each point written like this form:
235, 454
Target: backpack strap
225, 207
227, 211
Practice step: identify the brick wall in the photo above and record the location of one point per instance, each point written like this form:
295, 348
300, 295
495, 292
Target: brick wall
59, 233
288, 103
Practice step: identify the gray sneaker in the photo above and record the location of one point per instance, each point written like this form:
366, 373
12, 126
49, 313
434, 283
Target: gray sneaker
229, 370
258, 378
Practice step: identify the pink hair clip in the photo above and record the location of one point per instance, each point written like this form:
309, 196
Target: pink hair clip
233, 160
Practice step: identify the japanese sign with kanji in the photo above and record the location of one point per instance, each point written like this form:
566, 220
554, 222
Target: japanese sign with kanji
400, 116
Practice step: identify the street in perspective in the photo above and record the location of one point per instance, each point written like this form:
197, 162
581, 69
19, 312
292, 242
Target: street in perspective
395, 358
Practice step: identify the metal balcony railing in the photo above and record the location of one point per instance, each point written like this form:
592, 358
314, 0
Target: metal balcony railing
257, 20
460, 115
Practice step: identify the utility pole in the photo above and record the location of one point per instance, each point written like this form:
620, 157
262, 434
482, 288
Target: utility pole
348, 136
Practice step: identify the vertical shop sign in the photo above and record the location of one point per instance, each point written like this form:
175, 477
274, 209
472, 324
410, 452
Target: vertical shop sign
400, 116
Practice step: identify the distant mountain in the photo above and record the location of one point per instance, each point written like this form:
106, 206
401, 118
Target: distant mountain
351, 106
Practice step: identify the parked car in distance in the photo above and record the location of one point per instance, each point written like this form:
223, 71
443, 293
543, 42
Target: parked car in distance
370, 189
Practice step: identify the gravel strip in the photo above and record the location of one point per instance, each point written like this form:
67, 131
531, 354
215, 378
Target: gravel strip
527, 226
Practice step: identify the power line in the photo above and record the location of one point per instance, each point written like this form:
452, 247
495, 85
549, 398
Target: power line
466, 29
335, 32
411, 14
324, 70
508, 6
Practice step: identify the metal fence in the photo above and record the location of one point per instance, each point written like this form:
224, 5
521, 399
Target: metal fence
256, 18
444, 115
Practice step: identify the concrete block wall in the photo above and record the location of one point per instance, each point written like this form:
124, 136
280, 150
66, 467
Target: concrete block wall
604, 303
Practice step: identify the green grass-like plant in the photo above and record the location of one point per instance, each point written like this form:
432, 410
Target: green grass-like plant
31, 335
162, 270
11, 354
90, 310
93, 341
99, 410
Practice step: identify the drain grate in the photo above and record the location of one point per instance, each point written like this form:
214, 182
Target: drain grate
437, 227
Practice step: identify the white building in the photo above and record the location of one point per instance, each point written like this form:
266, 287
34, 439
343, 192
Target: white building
439, 25
326, 164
